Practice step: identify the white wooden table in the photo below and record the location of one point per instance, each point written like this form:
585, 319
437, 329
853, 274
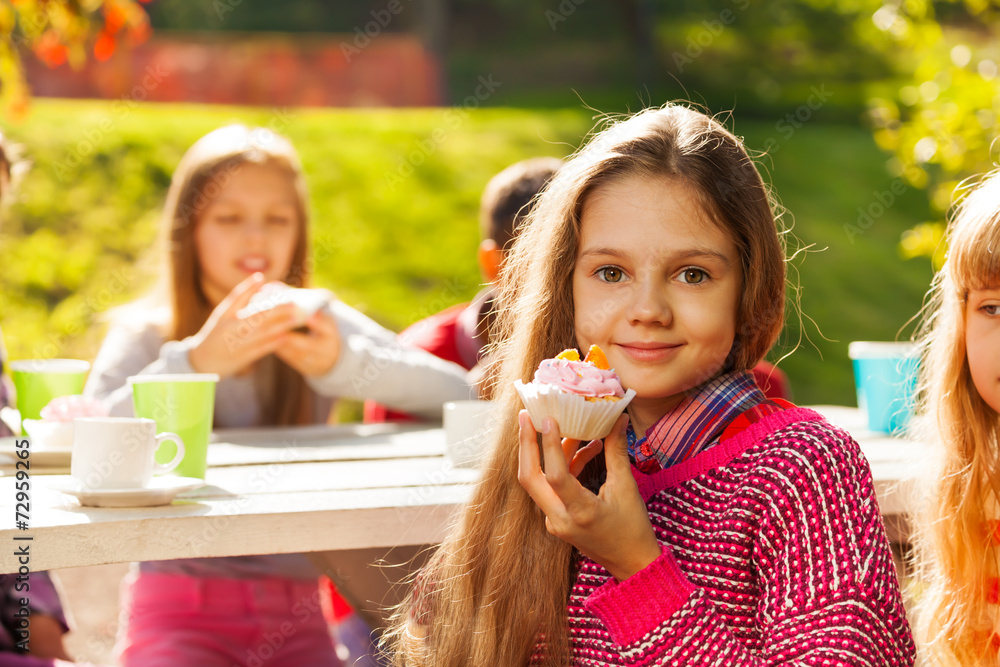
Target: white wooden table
315, 489
307, 489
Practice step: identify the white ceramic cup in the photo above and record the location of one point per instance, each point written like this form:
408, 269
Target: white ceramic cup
468, 427
118, 452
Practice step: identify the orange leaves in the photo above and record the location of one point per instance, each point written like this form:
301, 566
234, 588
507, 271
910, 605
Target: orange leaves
104, 46
50, 49
115, 18
58, 32
120, 15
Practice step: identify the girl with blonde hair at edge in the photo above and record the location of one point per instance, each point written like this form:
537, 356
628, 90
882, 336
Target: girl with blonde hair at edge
958, 536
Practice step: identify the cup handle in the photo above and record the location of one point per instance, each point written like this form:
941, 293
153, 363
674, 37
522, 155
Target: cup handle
176, 439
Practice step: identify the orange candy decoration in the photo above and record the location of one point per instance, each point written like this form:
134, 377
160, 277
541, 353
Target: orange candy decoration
595, 355
569, 355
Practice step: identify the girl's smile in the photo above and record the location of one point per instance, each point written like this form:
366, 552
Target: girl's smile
254, 264
657, 285
648, 351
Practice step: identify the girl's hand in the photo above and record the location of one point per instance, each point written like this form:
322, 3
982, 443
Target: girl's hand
611, 528
315, 352
227, 344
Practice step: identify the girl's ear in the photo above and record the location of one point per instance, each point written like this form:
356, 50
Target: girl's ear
490, 259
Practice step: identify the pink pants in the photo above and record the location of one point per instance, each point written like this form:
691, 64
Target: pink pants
172, 620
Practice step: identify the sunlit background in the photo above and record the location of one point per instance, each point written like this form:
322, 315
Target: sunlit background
865, 118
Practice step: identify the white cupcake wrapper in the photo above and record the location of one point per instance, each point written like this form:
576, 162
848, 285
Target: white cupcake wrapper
576, 416
49, 436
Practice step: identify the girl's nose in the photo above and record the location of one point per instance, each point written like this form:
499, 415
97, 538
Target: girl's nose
255, 231
650, 304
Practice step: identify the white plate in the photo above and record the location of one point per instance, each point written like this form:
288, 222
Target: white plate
45, 459
161, 491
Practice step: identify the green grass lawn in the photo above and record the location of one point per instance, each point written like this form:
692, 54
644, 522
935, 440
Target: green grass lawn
394, 202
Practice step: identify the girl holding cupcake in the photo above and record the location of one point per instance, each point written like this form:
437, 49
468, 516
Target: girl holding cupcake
712, 526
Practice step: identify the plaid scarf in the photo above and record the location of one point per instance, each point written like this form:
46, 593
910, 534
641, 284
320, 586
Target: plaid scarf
699, 421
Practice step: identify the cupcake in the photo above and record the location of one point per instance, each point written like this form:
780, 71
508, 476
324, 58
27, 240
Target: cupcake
584, 397
54, 431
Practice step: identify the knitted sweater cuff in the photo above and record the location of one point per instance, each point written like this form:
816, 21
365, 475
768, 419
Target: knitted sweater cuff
633, 608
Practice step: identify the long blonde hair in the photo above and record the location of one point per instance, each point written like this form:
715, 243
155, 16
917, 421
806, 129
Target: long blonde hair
955, 621
499, 584
206, 167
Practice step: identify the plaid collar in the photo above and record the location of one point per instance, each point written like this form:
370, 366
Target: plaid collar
696, 423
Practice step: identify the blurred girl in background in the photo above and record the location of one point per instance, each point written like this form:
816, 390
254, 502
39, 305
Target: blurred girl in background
236, 219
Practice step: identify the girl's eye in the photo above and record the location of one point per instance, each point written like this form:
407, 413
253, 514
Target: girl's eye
228, 219
610, 274
279, 221
991, 309
693, 276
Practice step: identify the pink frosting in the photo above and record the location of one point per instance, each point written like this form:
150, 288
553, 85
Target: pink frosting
67, 408
579, 377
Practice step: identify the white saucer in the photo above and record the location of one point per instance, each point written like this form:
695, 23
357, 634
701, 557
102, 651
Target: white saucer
161, 491
59, 458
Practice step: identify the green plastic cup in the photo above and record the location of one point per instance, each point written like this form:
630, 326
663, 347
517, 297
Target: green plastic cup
183, 404
38, 381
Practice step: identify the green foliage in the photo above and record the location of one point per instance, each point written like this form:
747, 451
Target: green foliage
941, 123
394, 202
846, 216
755, 57
749, 56
263, 15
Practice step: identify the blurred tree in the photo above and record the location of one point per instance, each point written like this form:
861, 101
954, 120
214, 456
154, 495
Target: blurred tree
759, 58
270, 16
928, 72
60, 31
941, 124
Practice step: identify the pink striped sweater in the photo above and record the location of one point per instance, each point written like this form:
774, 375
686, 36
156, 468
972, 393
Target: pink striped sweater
774, 553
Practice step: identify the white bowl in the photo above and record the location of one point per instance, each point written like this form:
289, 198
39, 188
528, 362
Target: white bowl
49, 436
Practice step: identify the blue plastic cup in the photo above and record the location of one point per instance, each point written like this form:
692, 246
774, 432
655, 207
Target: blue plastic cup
885, 376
